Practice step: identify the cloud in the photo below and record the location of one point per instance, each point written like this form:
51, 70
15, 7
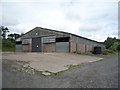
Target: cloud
96, 19
0, 14
60, 1
87, 19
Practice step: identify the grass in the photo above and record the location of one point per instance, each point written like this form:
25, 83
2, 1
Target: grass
7, 65
22, 61
37, 71
108, 51
8, 49
72, 66
40, 72
69, 68
60, 72
88, 54
47, 71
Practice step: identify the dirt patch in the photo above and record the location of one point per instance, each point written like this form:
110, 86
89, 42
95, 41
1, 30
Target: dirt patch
19, 66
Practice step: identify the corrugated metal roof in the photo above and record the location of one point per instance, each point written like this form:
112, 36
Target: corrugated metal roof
61, 32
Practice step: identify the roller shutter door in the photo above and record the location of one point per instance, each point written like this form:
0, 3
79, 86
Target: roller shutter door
62, 47
18, 48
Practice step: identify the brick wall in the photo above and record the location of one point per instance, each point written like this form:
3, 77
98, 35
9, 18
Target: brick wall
72, 46
50, 47
27, 48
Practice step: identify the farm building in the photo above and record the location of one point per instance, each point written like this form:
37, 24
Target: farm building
46, 40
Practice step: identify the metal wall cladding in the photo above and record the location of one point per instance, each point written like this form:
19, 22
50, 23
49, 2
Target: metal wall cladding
18, 39
86, 41
49, 39
26, 48
18, 48
49, 47
27, 41
42, 31
36, 44
62, 47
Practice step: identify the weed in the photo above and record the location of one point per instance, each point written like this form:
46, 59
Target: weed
69, 67
22, 61
88, 54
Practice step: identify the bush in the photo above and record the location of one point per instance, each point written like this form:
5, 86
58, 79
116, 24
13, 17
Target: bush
118, 48
107, 51
8, 45
115, 46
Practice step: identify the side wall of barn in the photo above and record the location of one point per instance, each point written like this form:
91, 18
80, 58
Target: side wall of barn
78, 44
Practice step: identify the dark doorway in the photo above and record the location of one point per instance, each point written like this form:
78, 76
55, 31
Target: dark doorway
36, 44
63, 39
97, 50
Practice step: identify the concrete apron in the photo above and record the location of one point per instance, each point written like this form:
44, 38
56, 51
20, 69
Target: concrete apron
52, 62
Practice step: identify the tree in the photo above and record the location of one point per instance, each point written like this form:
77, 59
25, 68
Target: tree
3, 31
16, 36
8, 45
109, 42
13, 36
115, 46
112, 44
118, 48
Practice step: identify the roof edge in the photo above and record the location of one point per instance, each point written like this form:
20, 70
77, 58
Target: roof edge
62, 32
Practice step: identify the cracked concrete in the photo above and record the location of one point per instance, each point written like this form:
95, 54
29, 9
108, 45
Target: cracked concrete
53, 62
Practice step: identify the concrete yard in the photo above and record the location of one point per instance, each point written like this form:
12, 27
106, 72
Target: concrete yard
53, 62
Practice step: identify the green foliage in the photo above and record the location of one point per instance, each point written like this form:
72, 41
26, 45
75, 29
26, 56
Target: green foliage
112, 44
13, 36
0, 44
118, 48
110, 41
8, 45
107, 51
87, 54
115, 46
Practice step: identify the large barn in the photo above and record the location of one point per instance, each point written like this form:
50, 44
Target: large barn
46, 40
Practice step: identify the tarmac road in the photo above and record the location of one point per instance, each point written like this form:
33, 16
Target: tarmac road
100, 74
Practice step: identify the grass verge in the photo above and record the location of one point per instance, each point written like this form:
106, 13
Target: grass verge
69, 68
89, 54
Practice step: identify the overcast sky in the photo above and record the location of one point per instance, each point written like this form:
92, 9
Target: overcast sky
94, 19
